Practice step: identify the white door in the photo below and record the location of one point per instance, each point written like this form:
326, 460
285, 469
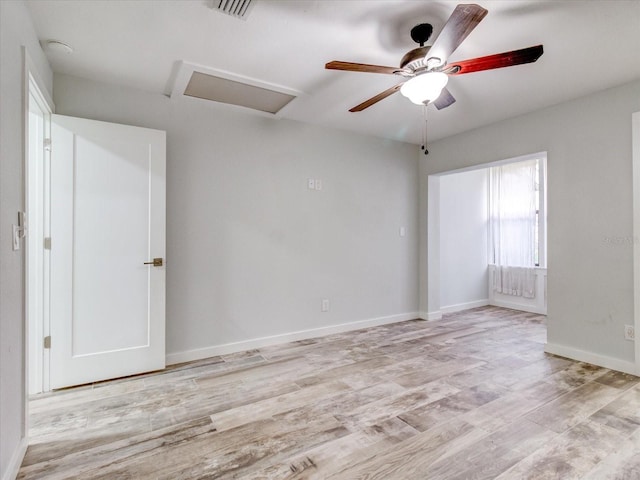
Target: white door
107, 220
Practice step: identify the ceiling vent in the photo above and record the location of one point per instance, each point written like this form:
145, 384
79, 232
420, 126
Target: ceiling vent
222, 87
235, 8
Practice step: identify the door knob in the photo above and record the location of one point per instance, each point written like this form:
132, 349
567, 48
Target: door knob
157, 262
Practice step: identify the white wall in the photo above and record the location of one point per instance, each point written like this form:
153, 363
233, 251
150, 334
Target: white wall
16, 31
590, 277
251, 250
463, 240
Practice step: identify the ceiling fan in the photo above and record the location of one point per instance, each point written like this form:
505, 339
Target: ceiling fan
426, 69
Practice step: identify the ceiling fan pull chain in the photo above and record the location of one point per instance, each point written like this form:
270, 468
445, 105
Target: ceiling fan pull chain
424, 140
424, 133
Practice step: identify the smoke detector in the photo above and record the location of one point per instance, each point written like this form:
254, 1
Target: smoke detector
56, 46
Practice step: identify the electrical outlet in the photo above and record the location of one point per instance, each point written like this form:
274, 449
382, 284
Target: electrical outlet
325, 305
311, 183
629, 332
318, 184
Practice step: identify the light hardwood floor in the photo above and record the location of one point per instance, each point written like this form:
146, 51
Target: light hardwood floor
472, 396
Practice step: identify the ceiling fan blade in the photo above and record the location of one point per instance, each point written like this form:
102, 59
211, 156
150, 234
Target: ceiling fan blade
499, 60
376, 99
359, 67
460, 24
444, 100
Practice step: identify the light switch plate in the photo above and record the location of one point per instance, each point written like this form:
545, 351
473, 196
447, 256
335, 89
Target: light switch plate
325, 305
15, 236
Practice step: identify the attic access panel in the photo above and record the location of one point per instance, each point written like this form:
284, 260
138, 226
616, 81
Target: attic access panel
236, 91
209, 87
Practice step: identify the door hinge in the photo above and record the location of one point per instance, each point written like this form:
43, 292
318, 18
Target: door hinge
47, 144
47, 243
47, 341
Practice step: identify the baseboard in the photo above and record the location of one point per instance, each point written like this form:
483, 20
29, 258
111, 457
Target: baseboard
437, 315
517, 306
16, 460
464, 306
593, 358
227, 348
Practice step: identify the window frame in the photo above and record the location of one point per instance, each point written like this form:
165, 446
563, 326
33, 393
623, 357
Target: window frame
541, 158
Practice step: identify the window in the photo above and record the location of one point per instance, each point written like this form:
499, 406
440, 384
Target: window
517, 224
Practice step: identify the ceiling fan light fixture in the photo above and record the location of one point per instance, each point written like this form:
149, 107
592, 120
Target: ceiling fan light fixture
424, 88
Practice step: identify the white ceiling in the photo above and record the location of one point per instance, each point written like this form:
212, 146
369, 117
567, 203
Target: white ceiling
589, 46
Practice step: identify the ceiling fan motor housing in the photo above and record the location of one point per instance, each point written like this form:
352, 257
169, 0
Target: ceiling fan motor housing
414, 59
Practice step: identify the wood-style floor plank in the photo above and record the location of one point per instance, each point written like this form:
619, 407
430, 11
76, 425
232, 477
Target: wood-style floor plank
471, 396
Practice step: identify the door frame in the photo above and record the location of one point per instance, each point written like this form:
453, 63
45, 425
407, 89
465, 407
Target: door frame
33, 85
433, 308
635, 159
